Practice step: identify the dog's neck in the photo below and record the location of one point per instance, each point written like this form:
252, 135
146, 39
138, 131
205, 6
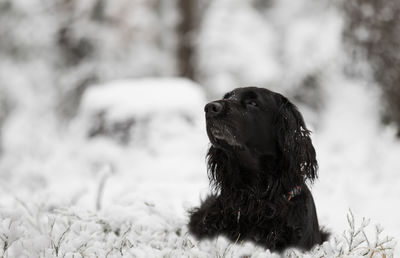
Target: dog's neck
248, 166
247, 161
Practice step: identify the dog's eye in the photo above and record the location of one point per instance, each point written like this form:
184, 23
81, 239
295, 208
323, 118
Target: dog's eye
251, 103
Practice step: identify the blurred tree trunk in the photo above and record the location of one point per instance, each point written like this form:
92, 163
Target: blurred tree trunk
374, 29
6, 106
185, 28
98, 11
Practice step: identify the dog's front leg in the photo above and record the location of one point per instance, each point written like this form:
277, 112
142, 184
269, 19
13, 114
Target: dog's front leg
207, 220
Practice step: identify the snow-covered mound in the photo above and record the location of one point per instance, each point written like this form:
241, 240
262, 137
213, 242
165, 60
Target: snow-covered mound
160, 156
150, 132
136, 111
144, 97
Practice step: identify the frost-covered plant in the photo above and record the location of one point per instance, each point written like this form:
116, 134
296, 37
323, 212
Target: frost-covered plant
354, 242
142, 229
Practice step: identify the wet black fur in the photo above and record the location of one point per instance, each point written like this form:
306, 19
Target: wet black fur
252, 178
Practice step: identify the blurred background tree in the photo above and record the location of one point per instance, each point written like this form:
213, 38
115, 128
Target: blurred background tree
373, 37
52, 50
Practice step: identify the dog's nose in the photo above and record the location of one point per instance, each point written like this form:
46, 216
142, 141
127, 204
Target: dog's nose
213, 109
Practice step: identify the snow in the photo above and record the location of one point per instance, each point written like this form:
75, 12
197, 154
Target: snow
119, 178
358, 158
111, 198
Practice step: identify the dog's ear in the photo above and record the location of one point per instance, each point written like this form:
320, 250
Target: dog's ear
298, 161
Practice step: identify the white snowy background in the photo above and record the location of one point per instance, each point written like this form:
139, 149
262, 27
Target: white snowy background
103, 153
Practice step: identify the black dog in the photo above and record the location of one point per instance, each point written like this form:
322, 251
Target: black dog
260, 159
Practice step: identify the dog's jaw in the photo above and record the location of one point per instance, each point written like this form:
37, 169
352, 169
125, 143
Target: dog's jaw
222, 135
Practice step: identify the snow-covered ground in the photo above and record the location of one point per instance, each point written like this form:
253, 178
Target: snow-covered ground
120, 179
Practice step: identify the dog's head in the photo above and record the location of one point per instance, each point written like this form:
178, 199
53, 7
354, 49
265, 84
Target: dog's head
254, 126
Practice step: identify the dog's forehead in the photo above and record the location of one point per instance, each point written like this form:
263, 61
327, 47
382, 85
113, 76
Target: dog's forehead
238, 93
231, 95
